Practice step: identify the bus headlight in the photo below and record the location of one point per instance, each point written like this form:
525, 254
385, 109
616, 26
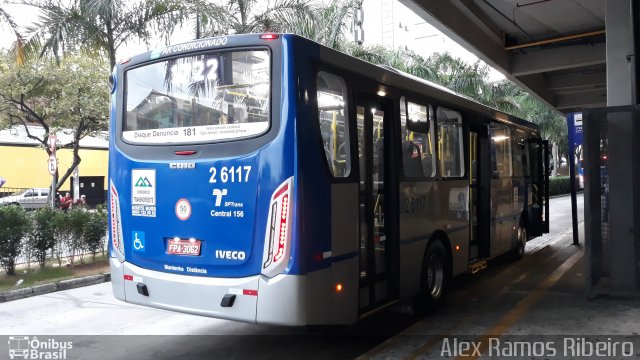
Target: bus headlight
277, 242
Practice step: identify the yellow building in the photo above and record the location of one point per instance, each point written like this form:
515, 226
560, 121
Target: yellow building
23, 161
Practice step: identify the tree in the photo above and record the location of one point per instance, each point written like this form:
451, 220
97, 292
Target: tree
7, 21
73, 96
457, 75
553, 126
325, 23
248, 16
104, 25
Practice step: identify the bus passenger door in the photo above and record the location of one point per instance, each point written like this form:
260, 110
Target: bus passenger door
545, 186
539, 187
479, 182
375, 286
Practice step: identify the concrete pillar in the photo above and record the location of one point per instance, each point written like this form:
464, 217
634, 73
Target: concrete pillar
621, 75
622, 158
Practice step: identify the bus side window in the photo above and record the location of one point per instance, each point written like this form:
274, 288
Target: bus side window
518, 157
332, 116
450, 143
501, 151
417, 139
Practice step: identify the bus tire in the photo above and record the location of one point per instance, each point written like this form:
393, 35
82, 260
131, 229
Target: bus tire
434, 279
521, 242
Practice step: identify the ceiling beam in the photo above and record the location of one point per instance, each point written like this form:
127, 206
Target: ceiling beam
576, 80
536, 84
593, 98
568, 57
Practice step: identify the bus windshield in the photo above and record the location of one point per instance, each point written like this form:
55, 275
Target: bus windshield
209, 97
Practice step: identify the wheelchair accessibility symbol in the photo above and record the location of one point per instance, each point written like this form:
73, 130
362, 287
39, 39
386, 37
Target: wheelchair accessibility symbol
137, 240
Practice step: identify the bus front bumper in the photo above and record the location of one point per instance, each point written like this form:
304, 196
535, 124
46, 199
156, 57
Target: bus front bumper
257, 298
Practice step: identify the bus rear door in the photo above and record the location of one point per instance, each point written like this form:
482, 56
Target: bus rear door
539, 187
479, 182
376, 237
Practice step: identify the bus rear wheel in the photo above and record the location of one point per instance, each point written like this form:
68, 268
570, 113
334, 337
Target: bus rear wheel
521, 242
434, 279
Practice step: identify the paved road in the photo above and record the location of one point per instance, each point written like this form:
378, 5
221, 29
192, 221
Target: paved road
560, 222
560, 210
92, 311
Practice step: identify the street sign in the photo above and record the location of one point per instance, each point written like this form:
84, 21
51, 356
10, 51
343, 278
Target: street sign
52, 143
52, 164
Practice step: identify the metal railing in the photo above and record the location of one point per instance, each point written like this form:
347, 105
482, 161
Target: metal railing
7, 191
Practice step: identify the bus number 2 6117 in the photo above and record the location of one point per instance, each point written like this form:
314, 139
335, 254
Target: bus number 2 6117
230, 174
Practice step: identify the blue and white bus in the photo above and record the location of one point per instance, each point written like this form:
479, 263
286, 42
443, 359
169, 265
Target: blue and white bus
269, 179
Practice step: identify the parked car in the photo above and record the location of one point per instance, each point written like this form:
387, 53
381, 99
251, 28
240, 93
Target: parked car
29, 199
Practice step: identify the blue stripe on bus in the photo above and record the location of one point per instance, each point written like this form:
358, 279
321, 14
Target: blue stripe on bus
427, 236
415, 239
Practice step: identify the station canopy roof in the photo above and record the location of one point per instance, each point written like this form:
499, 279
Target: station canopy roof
553, 48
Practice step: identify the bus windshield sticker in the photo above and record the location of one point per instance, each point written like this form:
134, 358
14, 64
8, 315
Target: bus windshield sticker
213, 96
143, 192
458, 202
195, 45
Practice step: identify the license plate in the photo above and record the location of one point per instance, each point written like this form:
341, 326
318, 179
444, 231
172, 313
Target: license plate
183, 247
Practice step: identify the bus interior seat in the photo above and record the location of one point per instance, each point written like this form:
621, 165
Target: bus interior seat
411, 158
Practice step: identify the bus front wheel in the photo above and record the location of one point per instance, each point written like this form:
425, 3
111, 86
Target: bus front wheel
435, 279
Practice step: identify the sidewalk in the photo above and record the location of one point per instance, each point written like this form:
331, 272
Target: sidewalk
542, 296
26, 292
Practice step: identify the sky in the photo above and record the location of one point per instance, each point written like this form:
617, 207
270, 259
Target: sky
386, 22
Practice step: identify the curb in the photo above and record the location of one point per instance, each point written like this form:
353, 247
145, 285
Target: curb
564, 195
17, 294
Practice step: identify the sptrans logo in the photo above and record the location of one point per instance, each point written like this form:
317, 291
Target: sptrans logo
25, 347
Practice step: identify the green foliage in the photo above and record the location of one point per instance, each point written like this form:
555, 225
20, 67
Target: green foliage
14, 225
470, 80
34, 277
94, 231
61, 96
75, 221
253, 16
72, 96
42, 238
559, 185
102, 26
325, 23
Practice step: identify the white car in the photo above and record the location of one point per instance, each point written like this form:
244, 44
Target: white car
29, 199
